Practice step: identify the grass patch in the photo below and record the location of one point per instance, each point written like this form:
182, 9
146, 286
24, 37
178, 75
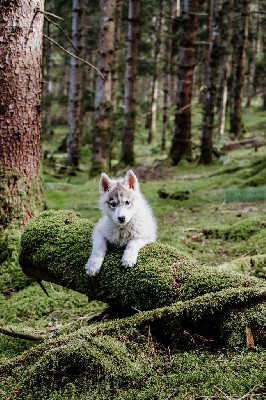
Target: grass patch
241, 195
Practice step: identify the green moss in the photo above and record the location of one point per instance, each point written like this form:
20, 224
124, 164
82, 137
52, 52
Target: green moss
189, 306
240, 230
123, 355
12, 277
100, 361
30, 311
21, 197
236, 321
179, 376
56, 246
66, 241
252, 265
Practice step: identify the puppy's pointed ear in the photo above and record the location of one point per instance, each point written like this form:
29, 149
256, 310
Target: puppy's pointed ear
105, 183
131, 180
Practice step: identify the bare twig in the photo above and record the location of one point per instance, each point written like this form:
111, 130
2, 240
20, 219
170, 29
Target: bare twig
248, 393
48, 13
223, 393
73, 55
19, 335
135, 309
62, 31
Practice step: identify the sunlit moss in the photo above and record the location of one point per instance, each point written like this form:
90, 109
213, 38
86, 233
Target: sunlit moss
56, 245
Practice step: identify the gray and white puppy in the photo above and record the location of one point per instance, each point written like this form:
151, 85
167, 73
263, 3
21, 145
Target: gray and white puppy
127, 221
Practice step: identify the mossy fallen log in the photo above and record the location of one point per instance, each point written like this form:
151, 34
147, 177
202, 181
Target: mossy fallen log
56, 245
117, 354
187, 306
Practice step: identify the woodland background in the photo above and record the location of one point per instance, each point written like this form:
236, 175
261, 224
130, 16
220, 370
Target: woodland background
182, 102
208, 61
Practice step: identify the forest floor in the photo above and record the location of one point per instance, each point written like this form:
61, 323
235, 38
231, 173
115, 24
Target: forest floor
216, 214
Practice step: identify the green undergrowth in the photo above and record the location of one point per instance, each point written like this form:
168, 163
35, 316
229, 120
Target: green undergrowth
221, 223
30, 311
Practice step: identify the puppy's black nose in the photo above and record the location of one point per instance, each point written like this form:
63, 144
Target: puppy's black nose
121, 219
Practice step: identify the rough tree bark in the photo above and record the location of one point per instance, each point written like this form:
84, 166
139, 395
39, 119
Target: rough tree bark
127, 151
47, 92
226, 62
236, 128
116, 59
209, 100
75, 120
181, 142
167, 38
253, 53
206, 53
103, 103
20, 111
155, 79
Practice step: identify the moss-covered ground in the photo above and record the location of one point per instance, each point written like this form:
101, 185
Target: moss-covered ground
215, 214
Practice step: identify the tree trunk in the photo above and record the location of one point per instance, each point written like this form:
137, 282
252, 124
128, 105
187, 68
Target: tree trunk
20, 107
253, 52
166, 70
127, 151
103, 101
181, 142
75, 121
209, 100
47, 92
175, 31
206, 54
262, 36
223, 101
117, 52
236, 128
155, 80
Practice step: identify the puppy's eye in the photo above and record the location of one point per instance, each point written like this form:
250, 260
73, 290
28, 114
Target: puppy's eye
127, 203
112, 204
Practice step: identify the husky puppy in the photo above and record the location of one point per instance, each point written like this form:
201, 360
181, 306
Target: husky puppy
127, 221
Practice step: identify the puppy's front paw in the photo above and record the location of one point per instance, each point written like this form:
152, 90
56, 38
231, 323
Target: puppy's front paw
129, 259
93, 265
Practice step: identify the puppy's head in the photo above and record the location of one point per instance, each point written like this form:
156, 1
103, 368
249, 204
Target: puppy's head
118, 197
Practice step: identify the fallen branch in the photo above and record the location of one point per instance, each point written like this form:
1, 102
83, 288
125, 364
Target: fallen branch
251, 143
18, 335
